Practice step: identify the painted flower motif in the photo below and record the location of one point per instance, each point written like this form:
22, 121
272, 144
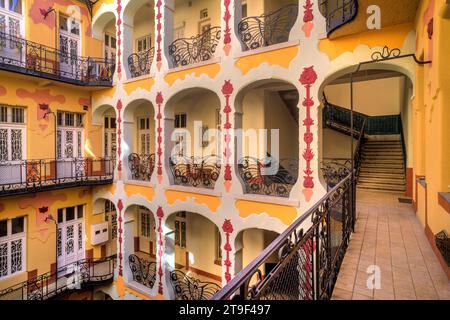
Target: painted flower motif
309, 76
308, 155
227, 88
160, 212
308, 137
120, 205
227, 227
159, 98
308, 16
308, 182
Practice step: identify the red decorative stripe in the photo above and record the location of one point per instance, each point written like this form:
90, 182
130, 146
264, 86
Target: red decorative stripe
160, 215
159, 102
227, 91
158, 28
119, 39
226, 18
227, 227
120, 230
308, 13
307, 79
119, 135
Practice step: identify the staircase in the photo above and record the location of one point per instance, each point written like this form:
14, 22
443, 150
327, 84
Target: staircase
382, 166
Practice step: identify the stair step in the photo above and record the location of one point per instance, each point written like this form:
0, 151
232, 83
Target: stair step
380, 190
387, 156
389, 175
387, 166
384, 181
383, 152
383, 161
381, 187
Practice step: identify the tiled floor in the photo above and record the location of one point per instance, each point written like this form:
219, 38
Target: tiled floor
389, 235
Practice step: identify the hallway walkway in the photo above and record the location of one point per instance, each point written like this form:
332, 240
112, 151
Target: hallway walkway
389, 235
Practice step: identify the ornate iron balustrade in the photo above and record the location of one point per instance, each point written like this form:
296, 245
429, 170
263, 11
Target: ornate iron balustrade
338, 12
144, 272
186, 51
279, 180
196, 172
141, 166
443, 244
20, 177
70, 277
189, 288
310, 253
140, 63
268, 29
24, 56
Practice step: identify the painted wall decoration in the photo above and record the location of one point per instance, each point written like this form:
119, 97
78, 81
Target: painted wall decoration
227, 33
158, 37
428, 22
159, 152
119, 39
227, 91
227, 227
119, 138
37, 17
307, 79
2, 90
160, 215
308, 18
120, 231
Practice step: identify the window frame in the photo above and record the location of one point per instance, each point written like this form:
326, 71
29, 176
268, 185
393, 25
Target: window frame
8, 239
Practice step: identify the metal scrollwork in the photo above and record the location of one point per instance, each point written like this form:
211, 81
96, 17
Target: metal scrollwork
141, 166
277, 181
140, 63
386, 53
186, 51
334, 171
190, 288
144, 272
268, 29
195, 172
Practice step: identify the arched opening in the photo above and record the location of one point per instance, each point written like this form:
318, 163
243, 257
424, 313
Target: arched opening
192, 118
107, 210
382, 106
139, 37
190, 258
249, 244
105, 143
264, 23
195, 31
139, 136
140, 247
104, 30
267, 149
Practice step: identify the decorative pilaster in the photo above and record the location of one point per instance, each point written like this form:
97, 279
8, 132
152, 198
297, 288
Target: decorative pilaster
119, 39
307, 79
227, 91
158, 36
227, 227
119, 137
227, 31
160, 215
120, 231
159, 152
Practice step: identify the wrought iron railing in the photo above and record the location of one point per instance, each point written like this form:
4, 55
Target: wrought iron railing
268, 29
143, 271
189, 288
140, 63
338, 12
70, 277
442, 240
270, 178
195, 172
186, 51
310, 253
340, 119
141, 166
24, 56
19, 177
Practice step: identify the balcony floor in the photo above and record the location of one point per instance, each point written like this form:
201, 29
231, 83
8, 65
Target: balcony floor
388, 234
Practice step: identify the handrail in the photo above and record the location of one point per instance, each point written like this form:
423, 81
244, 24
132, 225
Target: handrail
40, 287
40, 60
241, 280
199, 48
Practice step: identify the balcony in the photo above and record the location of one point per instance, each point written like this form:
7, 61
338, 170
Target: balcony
200, 48
140, 63
141, 166
278, 182
21, 177
338, 13
267, 29
34, 59
85, 272
195, 172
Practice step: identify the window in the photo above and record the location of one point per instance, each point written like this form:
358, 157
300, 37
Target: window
204, 14
244, 10
145, 222
12, 114
218, 245
180, 229
143, 43
70, 119
111, 218
69, 25
180, 120
12, 246
12, 6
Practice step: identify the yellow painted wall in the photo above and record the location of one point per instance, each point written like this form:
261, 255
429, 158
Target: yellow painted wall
190, 16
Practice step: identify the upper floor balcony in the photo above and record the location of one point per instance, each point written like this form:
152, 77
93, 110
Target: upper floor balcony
25, 176
27, 57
